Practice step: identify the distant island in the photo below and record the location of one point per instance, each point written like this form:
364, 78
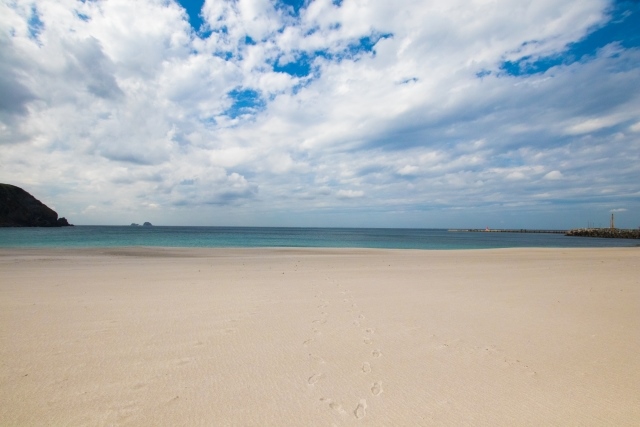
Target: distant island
146, 224
18, 208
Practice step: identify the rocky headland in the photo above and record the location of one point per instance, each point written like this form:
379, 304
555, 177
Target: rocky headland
20, 209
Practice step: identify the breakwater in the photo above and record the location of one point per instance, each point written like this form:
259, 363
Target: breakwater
502, 230
610, 233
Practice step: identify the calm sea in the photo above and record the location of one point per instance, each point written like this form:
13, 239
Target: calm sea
220, 237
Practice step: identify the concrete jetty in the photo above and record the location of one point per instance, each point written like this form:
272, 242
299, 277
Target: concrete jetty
502, 230
610, 233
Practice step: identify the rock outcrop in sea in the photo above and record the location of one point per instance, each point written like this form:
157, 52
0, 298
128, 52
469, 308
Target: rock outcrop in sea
20, 209
611, 233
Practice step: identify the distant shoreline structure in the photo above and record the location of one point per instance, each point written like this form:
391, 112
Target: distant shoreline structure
504, 230
610, 233
607, 233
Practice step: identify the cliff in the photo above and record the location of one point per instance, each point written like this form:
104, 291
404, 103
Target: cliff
20, 209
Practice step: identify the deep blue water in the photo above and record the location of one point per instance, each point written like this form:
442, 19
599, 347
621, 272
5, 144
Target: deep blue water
213, 237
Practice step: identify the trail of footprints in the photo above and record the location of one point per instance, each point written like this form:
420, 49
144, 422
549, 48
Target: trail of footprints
360, 409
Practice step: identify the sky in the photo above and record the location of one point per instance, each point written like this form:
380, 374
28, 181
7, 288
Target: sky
352, 113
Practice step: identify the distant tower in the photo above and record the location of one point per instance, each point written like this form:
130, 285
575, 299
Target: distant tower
613, 224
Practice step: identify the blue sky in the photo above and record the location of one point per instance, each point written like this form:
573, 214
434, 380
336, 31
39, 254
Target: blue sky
324, 113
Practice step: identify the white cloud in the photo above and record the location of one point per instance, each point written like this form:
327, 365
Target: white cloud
553, 175
350, 194
408, 170
138, 105
515, 176
595, 124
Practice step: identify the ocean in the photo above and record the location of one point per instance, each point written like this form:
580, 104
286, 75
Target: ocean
245, 237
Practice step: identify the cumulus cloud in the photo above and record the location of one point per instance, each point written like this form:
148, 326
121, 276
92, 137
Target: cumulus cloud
408, 170
350, 194
433, 110
553, 175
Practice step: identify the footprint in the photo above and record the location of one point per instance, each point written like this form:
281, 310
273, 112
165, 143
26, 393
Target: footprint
361, 316
333, 405
370, 330
336, 407
355, 322
314, 379
317, 359
376, 353
139, 386
376, 389
366, 367
361, 410
307, 342
368, 340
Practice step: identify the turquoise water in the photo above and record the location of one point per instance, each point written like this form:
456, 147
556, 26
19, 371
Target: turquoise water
220, 237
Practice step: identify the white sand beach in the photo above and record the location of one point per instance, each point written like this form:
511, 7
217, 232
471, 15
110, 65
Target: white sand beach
319, 337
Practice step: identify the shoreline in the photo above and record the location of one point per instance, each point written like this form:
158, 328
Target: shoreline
319, 336
132, 250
